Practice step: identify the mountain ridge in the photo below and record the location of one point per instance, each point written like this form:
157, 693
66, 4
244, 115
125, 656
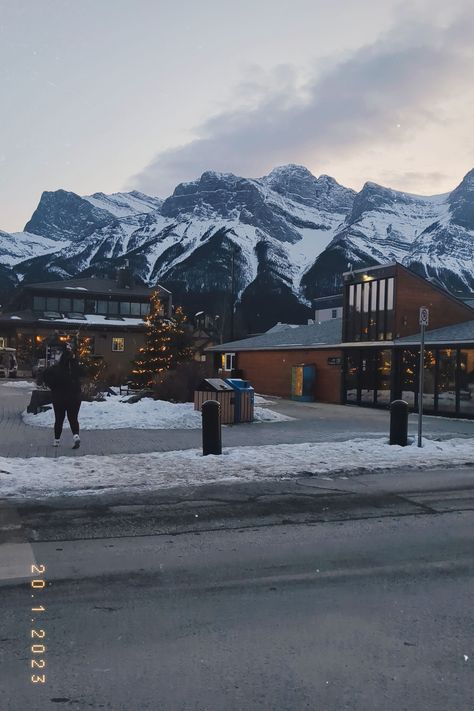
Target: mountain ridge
278, 241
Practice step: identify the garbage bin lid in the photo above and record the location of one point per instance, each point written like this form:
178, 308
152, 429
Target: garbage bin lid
214, 385
239, 384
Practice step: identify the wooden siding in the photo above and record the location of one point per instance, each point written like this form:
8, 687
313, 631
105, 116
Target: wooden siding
226, 400
269, 372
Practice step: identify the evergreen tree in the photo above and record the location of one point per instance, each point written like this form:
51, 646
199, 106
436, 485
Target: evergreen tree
166, 344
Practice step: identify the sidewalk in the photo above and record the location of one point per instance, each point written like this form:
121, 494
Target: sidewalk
313, 422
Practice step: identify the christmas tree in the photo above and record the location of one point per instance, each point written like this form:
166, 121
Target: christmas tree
166, 344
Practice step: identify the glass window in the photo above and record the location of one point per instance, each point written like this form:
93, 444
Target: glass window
358, 311
229, 361
409, 377
352, 377
125, 308
39, 303
101, 307
367, 377
90, 306
52, 303
429, 380
447, 359
365, 310
3, 343
381, 311
383, 373
466, 382
144, 309
134, 309
113, 307
390, 303
373, 311
334, 313
78, 305
64, 304
118, 344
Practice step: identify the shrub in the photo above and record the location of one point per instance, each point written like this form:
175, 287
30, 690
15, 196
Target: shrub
178, 385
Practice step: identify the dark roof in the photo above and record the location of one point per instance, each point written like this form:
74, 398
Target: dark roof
96, 286
315, 335
90, 321
328, 302
457, 333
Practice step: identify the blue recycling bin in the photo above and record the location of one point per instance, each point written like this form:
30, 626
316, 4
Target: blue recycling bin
244, 399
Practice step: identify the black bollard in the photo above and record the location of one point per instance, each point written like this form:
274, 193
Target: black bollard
399, 422
211, 427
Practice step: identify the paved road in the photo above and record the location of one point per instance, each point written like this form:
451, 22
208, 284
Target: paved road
368, 610
312, 422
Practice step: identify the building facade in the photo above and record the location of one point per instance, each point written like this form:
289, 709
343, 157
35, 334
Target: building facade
104, 316
370, 357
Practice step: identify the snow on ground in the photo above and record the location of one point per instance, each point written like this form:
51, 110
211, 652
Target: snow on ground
41, 477
18, 384
147, 414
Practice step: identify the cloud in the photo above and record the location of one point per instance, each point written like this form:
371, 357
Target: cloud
382, 93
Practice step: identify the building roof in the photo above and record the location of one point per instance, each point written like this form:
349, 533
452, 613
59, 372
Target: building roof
316, 335
94, 286
328, 302
457, 333
29, 317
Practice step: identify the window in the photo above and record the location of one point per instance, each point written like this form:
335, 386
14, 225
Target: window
3, 343
229, 361
39, 303
52, 303
113, 307
144, 309
125, 308
78, 305
334, 313
65, 305
135, 308
118, 345
101, 307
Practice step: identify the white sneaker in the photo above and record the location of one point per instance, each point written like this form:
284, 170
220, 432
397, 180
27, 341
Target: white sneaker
77, 441
56, 443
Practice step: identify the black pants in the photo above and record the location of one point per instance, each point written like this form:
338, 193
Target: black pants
66, 405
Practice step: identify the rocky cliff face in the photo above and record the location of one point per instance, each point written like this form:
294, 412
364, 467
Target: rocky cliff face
269, 244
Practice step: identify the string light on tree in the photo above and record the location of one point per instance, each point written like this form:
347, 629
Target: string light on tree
166, 344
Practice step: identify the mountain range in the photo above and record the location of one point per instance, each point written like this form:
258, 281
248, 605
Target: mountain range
270, 245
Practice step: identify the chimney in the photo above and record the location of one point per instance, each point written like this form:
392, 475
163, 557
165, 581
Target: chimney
124, 276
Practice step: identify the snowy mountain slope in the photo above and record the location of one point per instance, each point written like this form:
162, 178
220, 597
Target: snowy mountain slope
125, 204
15, 247
276, 241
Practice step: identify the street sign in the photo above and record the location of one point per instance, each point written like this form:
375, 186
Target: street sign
424, 316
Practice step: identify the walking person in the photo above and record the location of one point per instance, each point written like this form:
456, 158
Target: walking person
64, 381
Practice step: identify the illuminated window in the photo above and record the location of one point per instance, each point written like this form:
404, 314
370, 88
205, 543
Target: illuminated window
118, 344
2, 342
229, 361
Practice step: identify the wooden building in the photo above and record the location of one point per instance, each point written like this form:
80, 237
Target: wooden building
106, 315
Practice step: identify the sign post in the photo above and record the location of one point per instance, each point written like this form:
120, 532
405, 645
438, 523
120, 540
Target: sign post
424, 322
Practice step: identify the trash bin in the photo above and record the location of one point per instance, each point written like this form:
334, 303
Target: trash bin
244, 399
220, 390
303, 380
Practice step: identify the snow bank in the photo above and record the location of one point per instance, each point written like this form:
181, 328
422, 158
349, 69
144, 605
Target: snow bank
41, 477
147, 414
18, 384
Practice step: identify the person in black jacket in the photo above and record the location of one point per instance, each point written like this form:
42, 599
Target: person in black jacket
64, 381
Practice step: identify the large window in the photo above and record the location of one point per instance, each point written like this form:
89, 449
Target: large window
369, 310
446, 391
466, 382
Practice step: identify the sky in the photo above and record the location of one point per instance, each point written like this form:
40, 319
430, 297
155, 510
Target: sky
110, 95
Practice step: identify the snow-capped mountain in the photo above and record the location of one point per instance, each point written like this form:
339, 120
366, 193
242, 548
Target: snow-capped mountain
277, 241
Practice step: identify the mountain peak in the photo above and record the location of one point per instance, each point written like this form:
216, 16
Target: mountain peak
298, 184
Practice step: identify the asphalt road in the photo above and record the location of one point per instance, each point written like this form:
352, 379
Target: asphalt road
363, 602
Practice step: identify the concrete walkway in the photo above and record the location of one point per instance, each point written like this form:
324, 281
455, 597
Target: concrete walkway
312, 422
